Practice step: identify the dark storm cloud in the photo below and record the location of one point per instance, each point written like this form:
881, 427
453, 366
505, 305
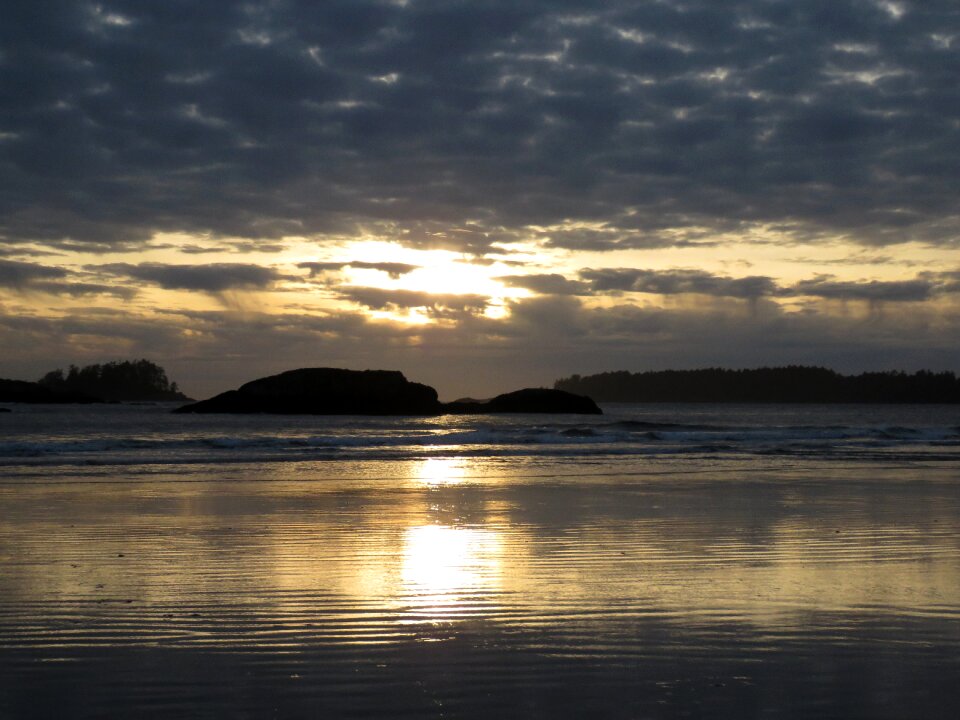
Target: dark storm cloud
213, 278
660, 120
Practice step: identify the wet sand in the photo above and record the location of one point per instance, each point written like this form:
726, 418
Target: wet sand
455, 588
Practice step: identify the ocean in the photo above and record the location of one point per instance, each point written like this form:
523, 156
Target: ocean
724, 561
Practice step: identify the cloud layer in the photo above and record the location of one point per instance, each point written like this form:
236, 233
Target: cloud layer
260, 119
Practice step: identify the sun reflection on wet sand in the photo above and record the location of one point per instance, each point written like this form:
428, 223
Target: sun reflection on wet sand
444, 570
440, 470
631, 572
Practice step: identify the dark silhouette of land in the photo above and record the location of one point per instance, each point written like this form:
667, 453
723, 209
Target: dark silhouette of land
21, 391
529, 400
335, 391
124, 381
326, 391
792, 384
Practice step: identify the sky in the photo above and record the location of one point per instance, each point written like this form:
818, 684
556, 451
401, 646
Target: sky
484, 194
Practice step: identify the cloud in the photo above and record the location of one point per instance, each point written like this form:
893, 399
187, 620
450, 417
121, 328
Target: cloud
84, 289
458, 123
472, 354
674, 282
874, 290
393, 269
947, 281
545, 284
320, 268
562, 331
434, 303
616, 281
32, 278
212, 278
612, 237
20, 274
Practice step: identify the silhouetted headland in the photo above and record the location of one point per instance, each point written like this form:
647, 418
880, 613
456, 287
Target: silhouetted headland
792, 384
21, 391
335, 391
121, 381
124, 381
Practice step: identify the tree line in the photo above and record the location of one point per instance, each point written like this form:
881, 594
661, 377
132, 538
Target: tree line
793, 384
127, 380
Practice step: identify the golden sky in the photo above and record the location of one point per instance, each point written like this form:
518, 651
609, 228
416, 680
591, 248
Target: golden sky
484, 195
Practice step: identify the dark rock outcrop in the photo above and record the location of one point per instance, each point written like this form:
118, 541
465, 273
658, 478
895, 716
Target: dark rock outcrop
326, 391
333, 391
21, 391
528, 400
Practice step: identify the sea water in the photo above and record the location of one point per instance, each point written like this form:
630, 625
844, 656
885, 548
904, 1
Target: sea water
655, 561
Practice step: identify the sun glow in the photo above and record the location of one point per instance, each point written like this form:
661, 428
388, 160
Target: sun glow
449, 276
442, 564
448, 283
411, 316
440, 471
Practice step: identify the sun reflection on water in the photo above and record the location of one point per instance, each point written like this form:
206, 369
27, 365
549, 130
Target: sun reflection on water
440, 471
444, 569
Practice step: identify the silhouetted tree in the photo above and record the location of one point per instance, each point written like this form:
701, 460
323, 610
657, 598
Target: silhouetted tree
793, 383
125, 380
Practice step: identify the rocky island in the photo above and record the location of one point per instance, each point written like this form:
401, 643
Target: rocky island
325, 391
528, 400
335, 391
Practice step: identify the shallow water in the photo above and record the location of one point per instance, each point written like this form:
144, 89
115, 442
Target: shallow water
722, 583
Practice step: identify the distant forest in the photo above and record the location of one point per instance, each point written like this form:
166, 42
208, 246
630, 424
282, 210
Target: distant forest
794, 384
129, 380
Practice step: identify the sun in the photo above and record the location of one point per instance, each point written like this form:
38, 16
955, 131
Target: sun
441, 273
449, 276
